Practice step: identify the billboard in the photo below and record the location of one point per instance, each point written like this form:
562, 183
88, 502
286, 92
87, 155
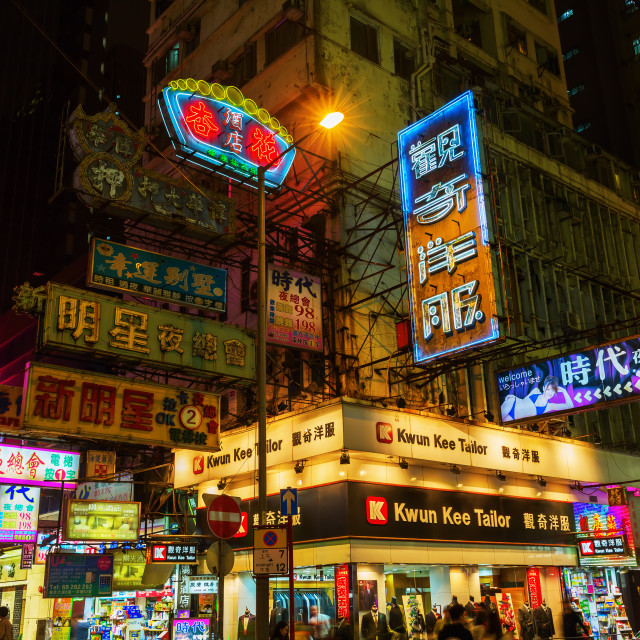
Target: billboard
90, 323
39, 467
91, 521
575, 382
449, 264
604, 529
295, 309
19, 508
80, 403
217, 128
118, 267
111, 179
74, 575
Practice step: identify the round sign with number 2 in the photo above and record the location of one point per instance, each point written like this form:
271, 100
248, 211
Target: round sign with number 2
190, 417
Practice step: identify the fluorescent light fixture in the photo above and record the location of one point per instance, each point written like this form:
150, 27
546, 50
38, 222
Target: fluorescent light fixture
332, 119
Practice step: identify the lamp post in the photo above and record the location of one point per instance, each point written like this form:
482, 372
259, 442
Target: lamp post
262, 582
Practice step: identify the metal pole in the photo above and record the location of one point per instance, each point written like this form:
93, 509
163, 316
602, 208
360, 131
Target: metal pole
262, 582
292, 608
220, 599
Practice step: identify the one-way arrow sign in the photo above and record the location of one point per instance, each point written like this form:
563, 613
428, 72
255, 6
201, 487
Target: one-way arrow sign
288, 502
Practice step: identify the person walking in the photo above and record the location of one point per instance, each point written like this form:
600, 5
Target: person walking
6, 628
281, 632
457, 627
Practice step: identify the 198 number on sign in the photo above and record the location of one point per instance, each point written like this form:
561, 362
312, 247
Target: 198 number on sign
270, 562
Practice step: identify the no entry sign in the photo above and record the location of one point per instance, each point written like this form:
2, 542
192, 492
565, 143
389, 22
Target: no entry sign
223, 516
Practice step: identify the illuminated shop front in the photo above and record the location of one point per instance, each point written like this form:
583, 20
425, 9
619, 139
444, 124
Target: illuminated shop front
403, 505
606, 550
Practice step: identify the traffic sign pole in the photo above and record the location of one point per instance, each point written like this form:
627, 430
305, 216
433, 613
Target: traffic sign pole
292, 614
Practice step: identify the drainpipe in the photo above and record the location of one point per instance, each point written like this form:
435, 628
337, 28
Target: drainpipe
425, 67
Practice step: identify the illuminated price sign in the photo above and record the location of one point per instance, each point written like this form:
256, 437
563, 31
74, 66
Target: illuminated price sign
19, 513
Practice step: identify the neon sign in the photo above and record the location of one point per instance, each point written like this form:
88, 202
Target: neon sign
217, 128
575, 382
451, 281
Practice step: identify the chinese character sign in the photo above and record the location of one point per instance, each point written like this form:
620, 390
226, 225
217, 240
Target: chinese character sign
121, 268
74, 575
295, 308
100, 463
451, 280
87, 520
191, 629
87, 322
221, 130
42, 467
10, 406
342, 591
19, 513
60, 400
584, 380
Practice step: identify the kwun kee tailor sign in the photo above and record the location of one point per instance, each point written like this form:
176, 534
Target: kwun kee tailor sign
449, 262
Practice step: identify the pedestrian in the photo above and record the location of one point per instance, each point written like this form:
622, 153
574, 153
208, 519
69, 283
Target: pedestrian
6, 628
442, 622
572, 623
79, 629
456, 627
281, 632
320, 622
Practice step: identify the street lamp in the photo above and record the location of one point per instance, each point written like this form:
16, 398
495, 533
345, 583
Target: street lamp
262, 582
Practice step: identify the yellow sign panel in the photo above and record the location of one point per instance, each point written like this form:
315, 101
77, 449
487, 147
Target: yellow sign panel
88, 520
81, 403
272, 538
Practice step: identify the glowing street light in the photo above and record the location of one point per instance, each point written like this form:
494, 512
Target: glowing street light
262, 582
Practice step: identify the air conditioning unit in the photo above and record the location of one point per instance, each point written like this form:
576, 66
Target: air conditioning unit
221, 71
185, 31
293, 10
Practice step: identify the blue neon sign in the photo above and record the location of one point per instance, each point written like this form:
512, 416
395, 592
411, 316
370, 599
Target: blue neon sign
451, 281
216, 134
584, 380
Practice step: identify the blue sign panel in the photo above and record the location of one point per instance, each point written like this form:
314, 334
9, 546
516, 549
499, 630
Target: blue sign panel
288, 502
585, 380
120, 268
215, 127
449, 262
75, 575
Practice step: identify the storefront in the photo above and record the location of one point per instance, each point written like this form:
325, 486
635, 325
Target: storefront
606, 550
406, 507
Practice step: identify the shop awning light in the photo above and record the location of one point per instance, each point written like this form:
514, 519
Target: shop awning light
541, 481
500, 476
345, 458
222, 484
299, 466
403, 464
455, 469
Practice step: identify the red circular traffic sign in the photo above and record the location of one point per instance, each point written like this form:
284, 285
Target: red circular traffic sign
224, 516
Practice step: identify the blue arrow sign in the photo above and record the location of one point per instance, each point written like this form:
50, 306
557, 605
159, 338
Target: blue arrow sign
288, 502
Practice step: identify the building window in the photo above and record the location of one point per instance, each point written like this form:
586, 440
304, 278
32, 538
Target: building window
631, 6
573, 52
583, 126
281, 38
191, 38
563, 16
364, 40
576, 89
244, 67
162, 6
516, 38
547, 60
540, 5
636, 45
166, 63
403, 59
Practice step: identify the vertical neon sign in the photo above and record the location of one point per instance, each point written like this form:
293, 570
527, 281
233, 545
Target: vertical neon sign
451, 281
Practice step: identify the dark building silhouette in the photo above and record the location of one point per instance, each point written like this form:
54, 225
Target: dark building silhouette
56, 54
603, 82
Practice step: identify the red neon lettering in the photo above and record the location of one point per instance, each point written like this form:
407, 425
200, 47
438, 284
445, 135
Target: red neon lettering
200, 120
264, 146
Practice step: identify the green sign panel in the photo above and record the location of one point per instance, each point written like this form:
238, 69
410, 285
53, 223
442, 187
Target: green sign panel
76, 575
87, 322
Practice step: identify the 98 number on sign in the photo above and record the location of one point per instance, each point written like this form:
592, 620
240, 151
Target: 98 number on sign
270, 562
